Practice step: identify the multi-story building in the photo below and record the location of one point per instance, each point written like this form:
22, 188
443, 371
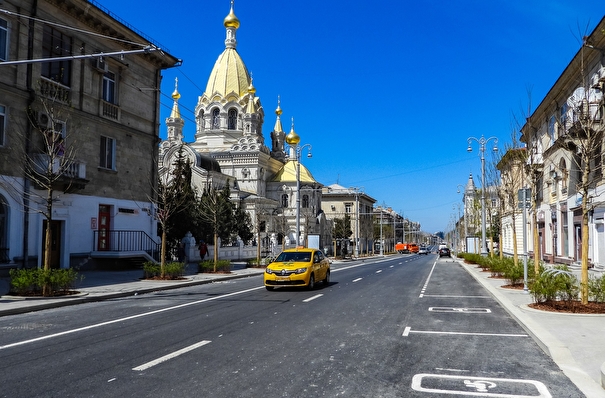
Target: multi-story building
564, 138
338, 201
79, 102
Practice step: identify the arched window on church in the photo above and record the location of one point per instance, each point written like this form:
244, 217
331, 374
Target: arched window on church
232, 121
284, 200
305, 201
216, 119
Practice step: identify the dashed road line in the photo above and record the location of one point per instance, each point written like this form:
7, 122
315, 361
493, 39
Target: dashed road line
170, 356
312, 298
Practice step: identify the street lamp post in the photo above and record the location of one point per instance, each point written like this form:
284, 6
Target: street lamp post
464, 215
293, 140
482, 141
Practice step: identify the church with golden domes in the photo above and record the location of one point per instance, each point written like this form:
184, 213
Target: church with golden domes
229, 148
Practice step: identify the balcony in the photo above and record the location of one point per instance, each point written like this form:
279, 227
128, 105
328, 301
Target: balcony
66, 175
110, 111
55, 91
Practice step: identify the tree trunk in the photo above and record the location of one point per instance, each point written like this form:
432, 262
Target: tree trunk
536, 241
584, 274
163, 253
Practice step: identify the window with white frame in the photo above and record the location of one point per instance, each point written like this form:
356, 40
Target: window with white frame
348, 208
216, 119
551, 129
232, 119
305, 201
107, 153
284, 200
109, 87
3, 40
2, 123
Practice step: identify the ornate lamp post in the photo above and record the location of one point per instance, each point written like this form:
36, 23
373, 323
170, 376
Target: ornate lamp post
482, 141
293, 140
464, 215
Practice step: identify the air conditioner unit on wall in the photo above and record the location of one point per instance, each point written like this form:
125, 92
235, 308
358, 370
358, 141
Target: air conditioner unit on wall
43, 120
100, 64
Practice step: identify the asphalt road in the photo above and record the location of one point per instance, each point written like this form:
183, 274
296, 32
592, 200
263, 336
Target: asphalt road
411, 326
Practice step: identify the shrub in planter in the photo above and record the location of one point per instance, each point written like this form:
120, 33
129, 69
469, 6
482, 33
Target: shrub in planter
221, 266
553, 284
31, 281
514, 274
596, 288
172, 269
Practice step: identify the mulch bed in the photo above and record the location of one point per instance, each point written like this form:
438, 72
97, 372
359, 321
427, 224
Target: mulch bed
574, 307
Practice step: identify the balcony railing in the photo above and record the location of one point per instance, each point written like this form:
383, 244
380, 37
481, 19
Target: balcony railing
73, 169
125, 241
55, 91
110, 111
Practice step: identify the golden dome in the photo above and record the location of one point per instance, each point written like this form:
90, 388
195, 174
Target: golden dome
292, 138
288, 173
229, 75
278, 111
231, 20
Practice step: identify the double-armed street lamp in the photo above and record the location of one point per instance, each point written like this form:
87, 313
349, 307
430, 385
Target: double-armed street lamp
482, 142
293, 140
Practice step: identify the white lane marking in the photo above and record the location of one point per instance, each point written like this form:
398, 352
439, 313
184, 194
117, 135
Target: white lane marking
379, 271
312, 298
170, 356
427, 280
409, 330
461, 310
110, 380
50, 336
357, 280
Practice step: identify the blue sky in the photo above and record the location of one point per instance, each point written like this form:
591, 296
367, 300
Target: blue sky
386, 92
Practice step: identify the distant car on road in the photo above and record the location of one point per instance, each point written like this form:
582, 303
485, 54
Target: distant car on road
423, 250
444, 251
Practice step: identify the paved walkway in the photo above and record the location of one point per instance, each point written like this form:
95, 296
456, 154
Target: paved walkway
575, 342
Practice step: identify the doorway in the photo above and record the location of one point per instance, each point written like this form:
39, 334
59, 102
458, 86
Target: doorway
104, 228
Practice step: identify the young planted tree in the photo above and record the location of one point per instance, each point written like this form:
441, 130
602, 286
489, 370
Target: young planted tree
342, 229
175, 201
216, 210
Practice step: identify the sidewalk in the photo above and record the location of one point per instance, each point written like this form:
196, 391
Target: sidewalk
575, 342
103, 285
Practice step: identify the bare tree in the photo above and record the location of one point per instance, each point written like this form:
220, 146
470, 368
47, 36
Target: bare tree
47, 163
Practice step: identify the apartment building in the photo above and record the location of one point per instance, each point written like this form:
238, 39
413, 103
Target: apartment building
79, 122
564, 138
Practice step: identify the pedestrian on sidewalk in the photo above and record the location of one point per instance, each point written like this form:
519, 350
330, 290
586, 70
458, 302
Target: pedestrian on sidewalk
203, 249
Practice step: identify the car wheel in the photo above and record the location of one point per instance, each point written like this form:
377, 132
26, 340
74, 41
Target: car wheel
269, 288
326, 281
311, 284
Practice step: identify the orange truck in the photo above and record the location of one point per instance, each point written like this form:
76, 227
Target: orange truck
402, 248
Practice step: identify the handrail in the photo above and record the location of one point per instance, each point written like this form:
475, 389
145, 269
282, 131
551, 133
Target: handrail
125, 241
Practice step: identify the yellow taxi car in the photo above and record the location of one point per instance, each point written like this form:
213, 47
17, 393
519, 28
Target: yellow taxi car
298, 267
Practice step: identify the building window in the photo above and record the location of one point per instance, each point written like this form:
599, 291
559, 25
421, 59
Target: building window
284, 200
108, 152
348, 208
551, 129
56, 44
232, 121
3, 40
109, 87
2, 123
305, 201
216, 119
